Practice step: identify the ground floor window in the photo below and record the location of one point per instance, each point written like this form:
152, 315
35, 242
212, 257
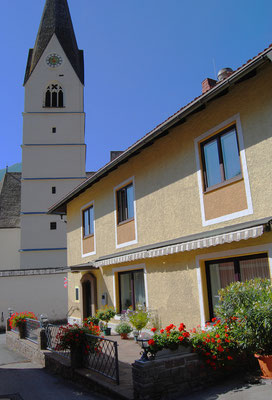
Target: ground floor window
220, 273
131, 289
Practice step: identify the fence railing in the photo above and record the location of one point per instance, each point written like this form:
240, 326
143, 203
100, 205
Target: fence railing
102, 357
51, 332
32, 332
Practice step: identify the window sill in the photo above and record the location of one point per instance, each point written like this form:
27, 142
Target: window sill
126, 221
88, 236
222, 184
49, 108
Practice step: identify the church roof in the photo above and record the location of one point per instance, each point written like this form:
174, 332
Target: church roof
10, 200
56, 19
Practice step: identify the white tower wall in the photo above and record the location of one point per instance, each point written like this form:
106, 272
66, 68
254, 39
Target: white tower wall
53, 155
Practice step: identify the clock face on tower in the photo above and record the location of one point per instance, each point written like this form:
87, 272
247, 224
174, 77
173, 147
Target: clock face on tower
53, 60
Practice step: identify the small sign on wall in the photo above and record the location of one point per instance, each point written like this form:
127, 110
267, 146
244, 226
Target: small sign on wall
66, 283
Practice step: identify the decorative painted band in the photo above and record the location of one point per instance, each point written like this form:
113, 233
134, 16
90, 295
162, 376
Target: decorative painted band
49, 249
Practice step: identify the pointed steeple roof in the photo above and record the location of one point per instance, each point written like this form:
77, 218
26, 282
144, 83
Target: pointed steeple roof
56, 19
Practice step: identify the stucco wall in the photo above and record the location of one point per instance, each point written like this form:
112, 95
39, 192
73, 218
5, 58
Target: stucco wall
166, 188
9, 248
42, 294
172, 283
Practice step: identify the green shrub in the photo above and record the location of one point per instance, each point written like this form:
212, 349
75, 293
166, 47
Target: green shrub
106, 314
138, 318
123, 327
249, 303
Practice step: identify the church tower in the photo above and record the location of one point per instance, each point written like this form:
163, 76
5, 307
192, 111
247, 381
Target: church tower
53, 149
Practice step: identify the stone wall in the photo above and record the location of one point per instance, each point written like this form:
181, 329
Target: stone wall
170, 378
29, 350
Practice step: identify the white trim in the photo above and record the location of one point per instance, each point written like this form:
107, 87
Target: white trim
225, 254
91, 203
130, 268
249, 210
135, 241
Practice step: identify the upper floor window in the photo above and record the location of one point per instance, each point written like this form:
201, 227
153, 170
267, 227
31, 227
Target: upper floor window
220, 158
53, 96
125, 203
88, 221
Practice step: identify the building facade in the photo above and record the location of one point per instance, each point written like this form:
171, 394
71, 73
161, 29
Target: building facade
184, 211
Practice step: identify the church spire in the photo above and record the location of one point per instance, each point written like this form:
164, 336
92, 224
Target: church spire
56, 19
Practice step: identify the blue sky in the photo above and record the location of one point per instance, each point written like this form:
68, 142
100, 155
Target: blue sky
144, 59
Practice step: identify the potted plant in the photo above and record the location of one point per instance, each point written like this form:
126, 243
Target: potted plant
138, 319
105, 315
94, 320
250, 303
74, 338
17, 320
124, 329
168, 340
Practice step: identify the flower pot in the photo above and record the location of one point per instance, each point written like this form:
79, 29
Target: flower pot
77, 356
106, 331
265, 363
22, 331
124, 335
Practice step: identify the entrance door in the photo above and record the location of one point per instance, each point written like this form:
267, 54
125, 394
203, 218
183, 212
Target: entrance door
89, 302
87, 299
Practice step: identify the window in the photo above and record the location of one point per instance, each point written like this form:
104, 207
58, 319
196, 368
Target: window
220, 273
125, 203
76, 294
220, 158
53, 226
54, 129
131, 289
54, 96
53, 189
88, 222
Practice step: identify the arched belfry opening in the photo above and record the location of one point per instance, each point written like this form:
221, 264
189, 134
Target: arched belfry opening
54, 96
89, 295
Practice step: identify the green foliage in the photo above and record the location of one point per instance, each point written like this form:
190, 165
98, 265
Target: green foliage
123, 327
250, 303
94, 320
138, 318
106, 314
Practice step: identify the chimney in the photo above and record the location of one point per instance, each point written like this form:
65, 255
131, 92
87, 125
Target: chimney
208, 84
115, 154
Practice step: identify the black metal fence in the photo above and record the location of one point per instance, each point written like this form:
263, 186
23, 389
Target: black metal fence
32, 329
51, 332
102, 357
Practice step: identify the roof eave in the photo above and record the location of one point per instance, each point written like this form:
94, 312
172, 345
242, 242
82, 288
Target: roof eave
61, 206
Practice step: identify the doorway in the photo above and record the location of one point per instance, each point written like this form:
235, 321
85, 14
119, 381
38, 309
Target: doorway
89, 296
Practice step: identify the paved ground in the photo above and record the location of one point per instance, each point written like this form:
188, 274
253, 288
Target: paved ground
235, 390
32, 382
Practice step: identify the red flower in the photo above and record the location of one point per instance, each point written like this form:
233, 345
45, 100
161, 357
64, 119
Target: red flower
162, 330
230, 358
181, 327
181, 338
217, 336
153, 329
151, 342
214, 319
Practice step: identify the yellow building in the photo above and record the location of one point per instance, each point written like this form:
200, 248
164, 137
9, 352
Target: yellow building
184, 211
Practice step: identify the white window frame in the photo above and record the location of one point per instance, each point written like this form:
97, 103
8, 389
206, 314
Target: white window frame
249, 210
266, 248
91, 203
116, 188
129, 268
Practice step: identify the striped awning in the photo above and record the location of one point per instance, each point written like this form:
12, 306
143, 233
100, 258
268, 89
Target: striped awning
216, 240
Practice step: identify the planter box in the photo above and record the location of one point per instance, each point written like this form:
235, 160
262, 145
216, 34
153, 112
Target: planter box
168, 353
